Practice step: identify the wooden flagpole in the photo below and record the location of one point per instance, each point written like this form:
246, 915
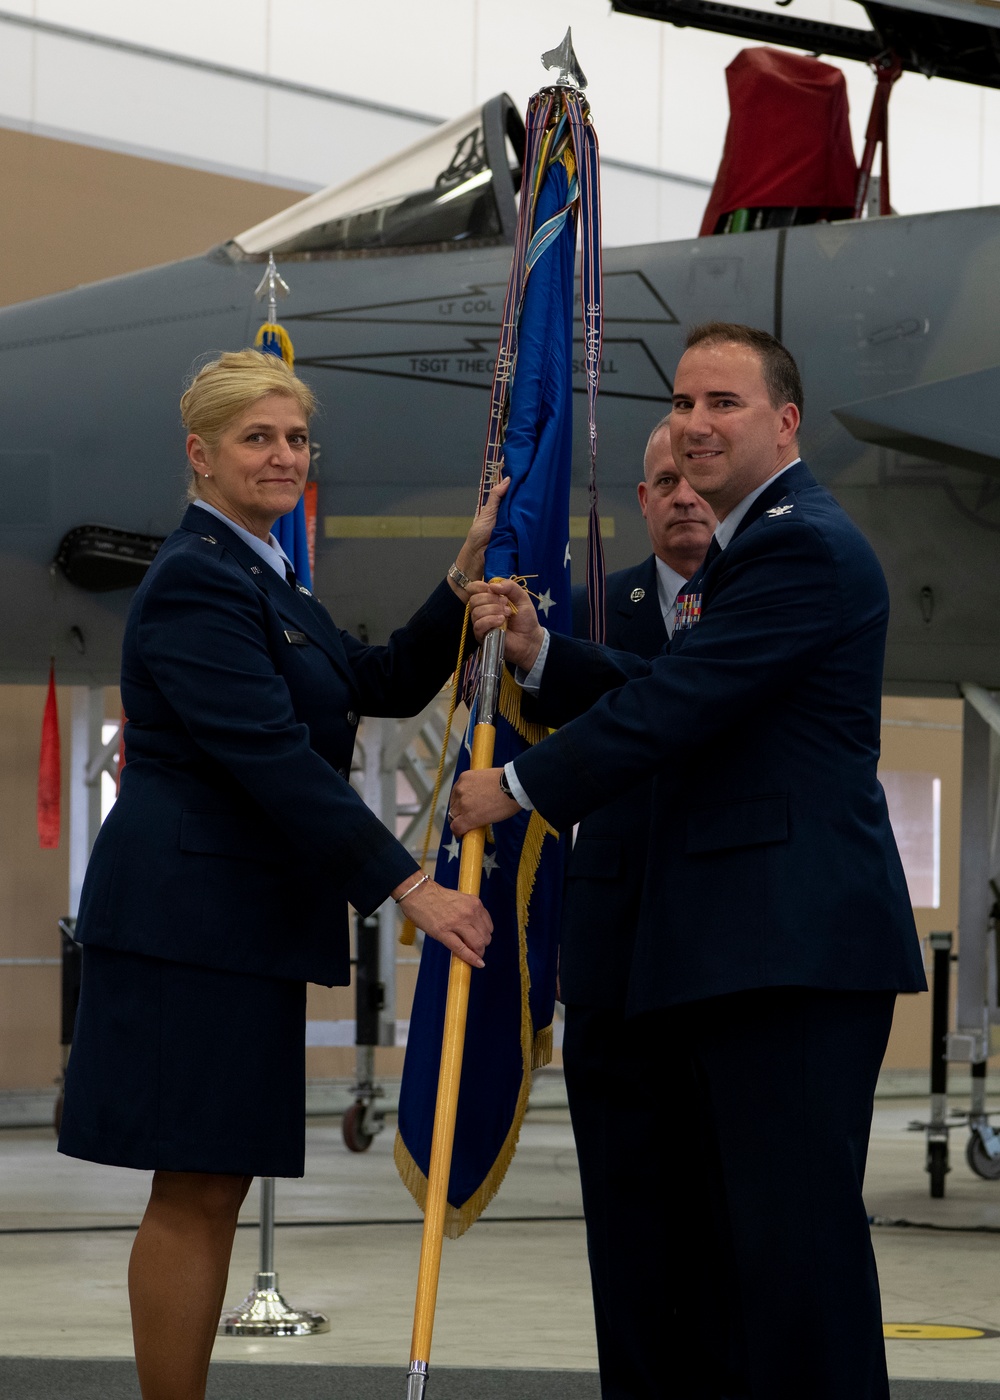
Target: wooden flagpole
453, 1044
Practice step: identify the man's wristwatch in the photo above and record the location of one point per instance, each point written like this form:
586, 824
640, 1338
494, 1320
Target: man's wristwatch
505, 785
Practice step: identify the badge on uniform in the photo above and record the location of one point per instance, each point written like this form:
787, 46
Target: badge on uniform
297, 639
637, 595
687, 611
778, 510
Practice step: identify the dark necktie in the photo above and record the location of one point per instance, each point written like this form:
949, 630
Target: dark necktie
289, 574
714, 550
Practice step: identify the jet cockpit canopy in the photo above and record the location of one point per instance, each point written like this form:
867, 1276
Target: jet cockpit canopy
457, 184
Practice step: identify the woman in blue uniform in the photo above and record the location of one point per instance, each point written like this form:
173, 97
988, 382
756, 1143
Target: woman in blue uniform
220, 882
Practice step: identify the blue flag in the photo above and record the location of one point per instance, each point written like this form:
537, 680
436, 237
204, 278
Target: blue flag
511, 1002
290, 532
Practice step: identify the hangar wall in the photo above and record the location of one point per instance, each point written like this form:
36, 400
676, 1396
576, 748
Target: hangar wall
307, 92
74, 213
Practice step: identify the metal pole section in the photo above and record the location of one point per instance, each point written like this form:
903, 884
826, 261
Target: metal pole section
937, 1128
379, 793
453, 1044
489, 677
971, 1037
87, 717
267, 1231
941, 987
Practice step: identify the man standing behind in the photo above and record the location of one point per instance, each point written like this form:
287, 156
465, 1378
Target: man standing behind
617, 1120
775, 927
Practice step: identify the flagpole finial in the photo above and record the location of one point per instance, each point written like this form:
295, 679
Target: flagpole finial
272, 286
570, 74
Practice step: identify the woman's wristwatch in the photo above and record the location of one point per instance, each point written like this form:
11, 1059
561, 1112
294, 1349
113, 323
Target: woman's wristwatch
456, 576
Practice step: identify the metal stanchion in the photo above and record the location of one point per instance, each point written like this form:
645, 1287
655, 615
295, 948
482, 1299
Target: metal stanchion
263, 1312
937, 1129
365, 1118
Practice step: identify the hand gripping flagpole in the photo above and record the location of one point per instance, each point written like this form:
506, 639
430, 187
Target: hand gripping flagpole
450, 1074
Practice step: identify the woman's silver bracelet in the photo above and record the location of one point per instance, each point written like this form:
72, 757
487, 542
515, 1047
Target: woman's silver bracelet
415, 886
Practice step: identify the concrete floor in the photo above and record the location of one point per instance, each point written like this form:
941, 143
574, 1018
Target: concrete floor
514, 1292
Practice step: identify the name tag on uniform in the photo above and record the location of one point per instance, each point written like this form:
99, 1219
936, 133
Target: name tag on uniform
297, 639
687, 611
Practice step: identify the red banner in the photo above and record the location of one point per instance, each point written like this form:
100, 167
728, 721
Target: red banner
49, 771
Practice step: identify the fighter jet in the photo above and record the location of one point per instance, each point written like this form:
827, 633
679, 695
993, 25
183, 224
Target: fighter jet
397, 281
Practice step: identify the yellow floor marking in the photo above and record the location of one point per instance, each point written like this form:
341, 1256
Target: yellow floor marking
932, 1332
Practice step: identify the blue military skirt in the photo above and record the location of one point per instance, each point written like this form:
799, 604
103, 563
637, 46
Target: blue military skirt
186, 1069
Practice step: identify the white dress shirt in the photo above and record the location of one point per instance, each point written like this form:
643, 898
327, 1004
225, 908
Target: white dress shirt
726, 529
665, 576
668, 584
269, 550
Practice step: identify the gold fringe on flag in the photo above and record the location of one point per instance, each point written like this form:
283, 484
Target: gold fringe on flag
535, 1047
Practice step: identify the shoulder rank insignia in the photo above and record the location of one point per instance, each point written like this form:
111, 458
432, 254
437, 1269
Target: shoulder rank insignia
779, 510
687, 611
637, 595
254, 569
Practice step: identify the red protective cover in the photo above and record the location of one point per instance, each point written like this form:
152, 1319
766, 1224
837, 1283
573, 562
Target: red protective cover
789, 137
49, 771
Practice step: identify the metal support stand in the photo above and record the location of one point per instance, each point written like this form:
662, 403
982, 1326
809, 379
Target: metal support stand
90, 757
977, 1008
364, 1119
937, 1129
88, 760
982, 1151
381, 748
263, 1312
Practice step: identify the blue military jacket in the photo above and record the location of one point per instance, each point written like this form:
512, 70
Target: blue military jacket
770, 842
608, 860
237, 840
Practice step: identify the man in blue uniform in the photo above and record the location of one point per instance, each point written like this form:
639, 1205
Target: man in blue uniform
617, 1121
775, 927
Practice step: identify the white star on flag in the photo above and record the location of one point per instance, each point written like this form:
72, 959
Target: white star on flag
566, 561
489, 865
545, 602
453, 848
